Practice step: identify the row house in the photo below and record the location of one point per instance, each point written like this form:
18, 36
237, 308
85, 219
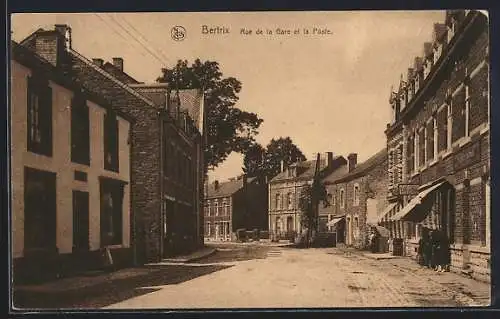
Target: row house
240, 203
165, 147
356, 195
285, 190
439, 144
70, 176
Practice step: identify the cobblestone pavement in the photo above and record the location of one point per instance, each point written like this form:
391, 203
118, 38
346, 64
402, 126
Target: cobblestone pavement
331, 278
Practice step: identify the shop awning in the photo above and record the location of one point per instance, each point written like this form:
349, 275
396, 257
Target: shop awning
377, 219
334, 221
406, 212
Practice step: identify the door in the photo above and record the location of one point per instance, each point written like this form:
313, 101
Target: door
40, 223
80, 221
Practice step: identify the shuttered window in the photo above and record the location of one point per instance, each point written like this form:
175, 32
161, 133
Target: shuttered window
111, 161
80, 131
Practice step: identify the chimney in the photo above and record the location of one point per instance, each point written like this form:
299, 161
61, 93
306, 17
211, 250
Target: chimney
65, 31
352, 160
216, 185
439, 30
98, 62
51, 45
427, 49
118, 63
329, 159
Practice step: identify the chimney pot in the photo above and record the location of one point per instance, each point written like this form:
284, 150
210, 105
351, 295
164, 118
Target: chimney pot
65, 31
118, 63
98, 62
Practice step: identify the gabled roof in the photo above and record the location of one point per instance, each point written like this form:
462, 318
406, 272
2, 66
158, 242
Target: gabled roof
24, 55
364, 167
192, 102
226, 188
305, 170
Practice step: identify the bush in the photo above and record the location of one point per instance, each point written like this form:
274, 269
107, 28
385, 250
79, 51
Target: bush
241, 234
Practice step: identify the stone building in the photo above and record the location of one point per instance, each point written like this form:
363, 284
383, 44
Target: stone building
166, 145
70, 177
240, 203
438, 144
285, 189
356, 193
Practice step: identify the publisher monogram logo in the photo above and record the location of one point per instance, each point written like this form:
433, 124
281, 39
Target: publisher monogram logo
178, 33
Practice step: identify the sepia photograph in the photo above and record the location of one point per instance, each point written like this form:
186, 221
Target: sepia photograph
249, 160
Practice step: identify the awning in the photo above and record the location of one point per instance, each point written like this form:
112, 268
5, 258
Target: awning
334, 221
377, 219
384, 232
404, 214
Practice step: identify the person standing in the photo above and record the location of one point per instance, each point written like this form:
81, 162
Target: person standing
426, 248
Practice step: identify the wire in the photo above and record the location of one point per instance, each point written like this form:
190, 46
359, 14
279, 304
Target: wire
140, 43
159, 51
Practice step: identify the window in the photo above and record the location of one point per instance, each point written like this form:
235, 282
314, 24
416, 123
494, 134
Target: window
111, 212
356, 195
111, 161
430, 140
342, 199
39, 117
442, 134
80, 131
209, 208
208, 229
278, 199
289, 200
478, 98
421, 147
458, 113
216, 207
206, 210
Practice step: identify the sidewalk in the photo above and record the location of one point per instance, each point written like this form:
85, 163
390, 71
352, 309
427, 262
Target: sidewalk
467, 290
92, 279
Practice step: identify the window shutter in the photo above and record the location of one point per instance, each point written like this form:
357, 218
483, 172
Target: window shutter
46, 121
29, 120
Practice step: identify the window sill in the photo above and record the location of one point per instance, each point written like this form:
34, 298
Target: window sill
115, 246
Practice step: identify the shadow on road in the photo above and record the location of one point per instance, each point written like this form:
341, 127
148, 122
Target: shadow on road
108, 293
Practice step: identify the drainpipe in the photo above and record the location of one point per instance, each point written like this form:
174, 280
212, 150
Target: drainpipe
162, 195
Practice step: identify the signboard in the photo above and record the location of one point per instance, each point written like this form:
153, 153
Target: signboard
407, 189
467, 156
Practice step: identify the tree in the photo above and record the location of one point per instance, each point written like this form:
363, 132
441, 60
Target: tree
309, 199
253, 161
281, 149
266, 162
228, 128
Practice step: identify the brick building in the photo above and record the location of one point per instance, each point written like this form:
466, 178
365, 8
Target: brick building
438, 144
70, 183
240, 203
357, 193
285, 189
166, 147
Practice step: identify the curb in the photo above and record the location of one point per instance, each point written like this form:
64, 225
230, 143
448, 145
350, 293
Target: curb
188, 260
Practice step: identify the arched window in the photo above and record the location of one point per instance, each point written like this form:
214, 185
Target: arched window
356, 195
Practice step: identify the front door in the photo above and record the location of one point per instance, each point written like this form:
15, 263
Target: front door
80, 221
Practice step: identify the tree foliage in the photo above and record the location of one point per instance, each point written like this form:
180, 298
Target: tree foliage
228, 128
260, 161
309, 199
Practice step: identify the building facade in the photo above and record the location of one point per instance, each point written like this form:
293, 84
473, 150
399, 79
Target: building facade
162, 136
356, 194
70, 172
285, 191
439, 144
240, 203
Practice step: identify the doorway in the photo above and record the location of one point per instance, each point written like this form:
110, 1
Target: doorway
80, 221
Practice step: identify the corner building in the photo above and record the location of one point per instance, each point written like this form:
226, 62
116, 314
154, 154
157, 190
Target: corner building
439, 145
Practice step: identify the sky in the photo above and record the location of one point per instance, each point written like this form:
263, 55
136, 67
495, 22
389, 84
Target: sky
327, 90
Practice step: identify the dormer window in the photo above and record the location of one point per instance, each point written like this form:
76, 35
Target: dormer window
416, 83
427, 67
452, 28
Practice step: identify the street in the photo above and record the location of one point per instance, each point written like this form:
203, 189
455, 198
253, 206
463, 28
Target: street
279, 277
